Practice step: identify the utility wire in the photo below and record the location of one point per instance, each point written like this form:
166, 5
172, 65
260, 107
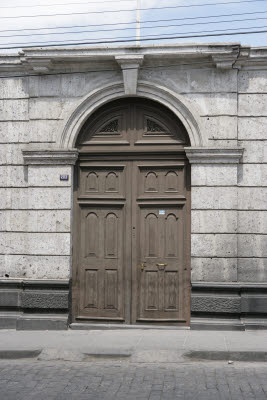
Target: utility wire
59, 44
68, 4
133, 28
129, 38
131, 23
132, 10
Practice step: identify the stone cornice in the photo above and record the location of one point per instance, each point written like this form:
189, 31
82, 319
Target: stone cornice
50, 157
213, 155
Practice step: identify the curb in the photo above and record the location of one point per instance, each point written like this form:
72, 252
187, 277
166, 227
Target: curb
226, 355
17, 354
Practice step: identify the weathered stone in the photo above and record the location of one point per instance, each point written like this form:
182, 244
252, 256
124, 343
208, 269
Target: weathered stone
49, 108
252, 245
43, 131
252, 269
222, 127
216, 304
214, 269
14, 110
222, 143
13, 176
35, 220
11, 154
14, 132
214, 104
252, 175
214, 198
35, 198
252, 104
213, 245
35, 243
252, 81
48, 175
252, 128
44, 300
252, 198
213, 221
14, 88
213, 175
254, 152
35, 267
252, 222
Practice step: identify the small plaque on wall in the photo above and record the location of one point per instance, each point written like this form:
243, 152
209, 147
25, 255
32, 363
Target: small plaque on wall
64, 177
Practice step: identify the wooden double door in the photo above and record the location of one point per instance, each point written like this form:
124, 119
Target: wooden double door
132, 240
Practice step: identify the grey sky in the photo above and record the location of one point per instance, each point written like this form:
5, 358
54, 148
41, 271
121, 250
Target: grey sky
183, 25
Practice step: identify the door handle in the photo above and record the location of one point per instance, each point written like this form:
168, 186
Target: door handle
162, 265
143, 265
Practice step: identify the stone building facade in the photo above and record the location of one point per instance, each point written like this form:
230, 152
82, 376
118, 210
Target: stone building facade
51, 100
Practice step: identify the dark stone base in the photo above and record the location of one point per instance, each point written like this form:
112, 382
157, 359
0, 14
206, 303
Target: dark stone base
228, 306
34, 304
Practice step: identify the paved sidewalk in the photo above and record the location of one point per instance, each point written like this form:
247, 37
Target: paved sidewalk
138, 345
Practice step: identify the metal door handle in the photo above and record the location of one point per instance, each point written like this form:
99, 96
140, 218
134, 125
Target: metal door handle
162, 265
143, 265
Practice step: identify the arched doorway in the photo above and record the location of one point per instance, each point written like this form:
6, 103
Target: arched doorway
131, 250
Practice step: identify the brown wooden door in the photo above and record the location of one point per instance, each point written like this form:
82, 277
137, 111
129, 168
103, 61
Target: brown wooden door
132, 219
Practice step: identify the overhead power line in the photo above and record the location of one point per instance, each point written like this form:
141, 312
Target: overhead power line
68, 4
131, 23
126, 39
148, 38
133, 28
131, 10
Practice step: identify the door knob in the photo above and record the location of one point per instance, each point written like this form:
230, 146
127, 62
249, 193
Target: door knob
143, 265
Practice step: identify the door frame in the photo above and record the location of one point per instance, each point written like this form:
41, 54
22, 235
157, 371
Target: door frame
131, 267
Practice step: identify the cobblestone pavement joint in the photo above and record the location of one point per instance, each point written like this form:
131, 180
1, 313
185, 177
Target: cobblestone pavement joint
126, 380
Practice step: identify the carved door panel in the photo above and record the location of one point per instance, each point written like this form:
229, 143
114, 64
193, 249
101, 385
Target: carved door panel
161, 259
102, 241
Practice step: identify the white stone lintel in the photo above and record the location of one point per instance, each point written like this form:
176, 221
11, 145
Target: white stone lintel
130, 65
214, 155
50, 157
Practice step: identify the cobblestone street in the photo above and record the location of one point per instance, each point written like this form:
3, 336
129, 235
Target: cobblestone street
105, 379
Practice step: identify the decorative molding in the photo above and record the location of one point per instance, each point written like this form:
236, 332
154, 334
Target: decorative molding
214, 155
130, 65
50, 157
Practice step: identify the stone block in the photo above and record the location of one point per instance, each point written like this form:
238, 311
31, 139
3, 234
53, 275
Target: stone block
252, 81
49, 108
48, 175
36, 198
254, 152
214, 269
47, 86
252, 175
213, 245
252, 222
252, 128
14, 88
14, 110
11, 154
9, 298
44, 300
222, 127
35, 267
252, 104
213, 175
172, 78
222, 143
42, 322
216, 304
252, 198
216, 198
252, 269
254, 304
213, 81
35, 220
14, 132
50, 198
213, 221
35, 243
212, 104
43, 131
252, 245
13, 176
